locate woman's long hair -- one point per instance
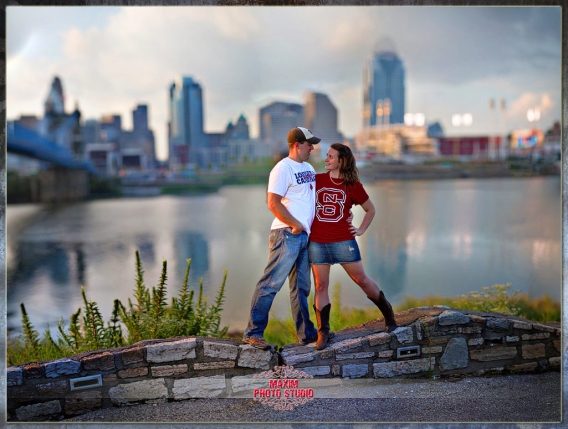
(347, 169)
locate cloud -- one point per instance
(247, 56)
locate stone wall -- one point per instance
(431, 341)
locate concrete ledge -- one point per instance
(430, 341)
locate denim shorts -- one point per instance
(341, 252)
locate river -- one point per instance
(431, 237)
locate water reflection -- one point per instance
(428, 238)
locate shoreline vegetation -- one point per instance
(148, 316)
(204, 181)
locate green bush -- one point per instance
(148, 318)
(494, 299)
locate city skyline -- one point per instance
(111, 59)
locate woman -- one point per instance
(332, 239)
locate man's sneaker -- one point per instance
(258, 342)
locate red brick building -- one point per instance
(468, 146)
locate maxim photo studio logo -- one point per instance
(283, 391)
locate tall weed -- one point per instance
(149, 317)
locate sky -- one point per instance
(456, 58)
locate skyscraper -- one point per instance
(186, 137)
(276, 119)
(383, 89)
(320, 116)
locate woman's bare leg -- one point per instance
(321, 280)
(366, 283)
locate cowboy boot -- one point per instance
(387, 311)
(324, 334)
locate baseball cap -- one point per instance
(300, 134)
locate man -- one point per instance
(291, 198)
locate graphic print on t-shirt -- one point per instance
(329, 204)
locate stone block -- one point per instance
(431, 350)
(138, 391)
(522, 325)
(393, 369)
(251, 357)
(326, 354)
(544, 328)
(455, 355)
(219, 350)
(292, 360)
(199, 387)
(214, 365)
(557, 345)
(352, 356)
(539, 336)
(349, 344)
(428, 320)
(497, 324)
(355, 370)
(437, 341)
(524, 367)
(101, 361)
(62, 367)
(168, 370)
(475, 341)
(385, 354)
(450, 317)
(33, 370)
(476, 319)
(15, 376)
(378, 339)
(171, 351)
(109, 378)
(555, 362)
(512, 339)
(335, 370)
(38, 412)
(404, 335)
(133, 372)
(533, 351)
(131, 356)
(244, 383)
(468, 330)
(495, 353)
(83, 402)
(55, 389)
(317, 370)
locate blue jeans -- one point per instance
(287, 258)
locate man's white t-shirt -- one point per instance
(296, 183)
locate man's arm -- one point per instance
(282, 214)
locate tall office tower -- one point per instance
(140, 119)
(320, 116)
(383, 89)
(55, 103)
(187, 138)
(276, 119)
(91, 131)
(111, 129)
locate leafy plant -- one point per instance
(148, 318)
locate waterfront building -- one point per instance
(276, 119)
(187, 140)
(396, 141)
(383, 89)
(320, 116)
(469, 147)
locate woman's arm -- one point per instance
(367, 219)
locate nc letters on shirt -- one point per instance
(329, 204)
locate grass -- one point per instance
(495, 299)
